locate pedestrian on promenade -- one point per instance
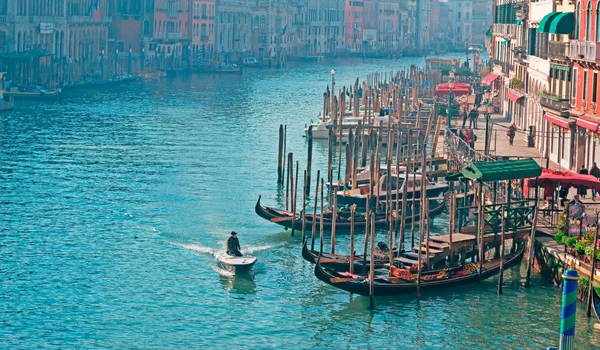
(465, 115)
(473, 138)
(582, 189)
(595, 172)
(511, 132)
(473, 118)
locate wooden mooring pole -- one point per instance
(314, 223)
(304, 208)
(372, 267)
(309, 159)
(294, 197)
(502, 242)
(593, 272)
(280, 157)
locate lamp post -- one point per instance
(102, 63)
(129, 60)
(332, 89)
(489, 109)
(116, 61)
(450, 86)
(142, 58)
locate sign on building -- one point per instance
(46, 28)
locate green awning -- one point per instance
(502, 170)
(504, 42)
(544, 26)
(564, 23)
(489, 35)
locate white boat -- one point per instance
(236, 264)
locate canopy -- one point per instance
(514, 95)
(552, 178)
(489, 79)
(564, 23)
(502, 170)
(544, 26)
(458, 89)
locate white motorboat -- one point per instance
(236, 264)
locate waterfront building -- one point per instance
(326, 26)
(130, 31)
(549, 81)
(170, 36)
(439, 27)
(423, 20)
(388, 26)
(354, 25)
(274, 27)
(202, 21)
(460, 18)
(481, 20)
(370, 24)
(234, 24)
(584, 51)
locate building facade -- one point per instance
(354, 25)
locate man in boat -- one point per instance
(233, 245)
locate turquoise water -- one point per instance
(114, 203)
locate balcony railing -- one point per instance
(555, 103)
(558, 50)
(203, 37)
(584, 50)
(507, 30)
(173, 36)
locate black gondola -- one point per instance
(393, 286)
(596, 303)
(339, 262)
(285, 218)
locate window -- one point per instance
(574, 92)
(595, 87)
(588, 26)
(598, 22)
(585, 84)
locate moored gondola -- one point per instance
(386, 285)
(596, 303)
(285, 218)
(338, 262)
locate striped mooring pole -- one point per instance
(569, 309)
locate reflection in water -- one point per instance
(238, 284)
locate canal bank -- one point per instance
(115, 202)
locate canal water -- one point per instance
(115, 202)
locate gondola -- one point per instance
(285, 218)
(596, 303)
(385, 285)
(339, 262)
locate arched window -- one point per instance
(146, 26)
(577, 20)
(588, 26)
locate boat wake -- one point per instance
(222, 272)
(198, 248)
(260, 248)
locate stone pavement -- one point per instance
(500, 146)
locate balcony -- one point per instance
(584, 51)
(203, 37)
(173, 36)
(505, 30)
(555, 103)
(558, 50)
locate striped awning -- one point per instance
(489, 79)
(544, 26)
(514, 95)
(564, 23)
(588, 124)
(558, 121)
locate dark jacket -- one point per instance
(595, 171)
(233, 245)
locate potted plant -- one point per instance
(570, 243)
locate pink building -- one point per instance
(354, 25)
(171, 32)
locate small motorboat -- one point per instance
(236, 264)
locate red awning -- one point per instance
(587, 124)
(562, 122)
(514, 95)
(551, 178)
(458, 89)
(489, 79)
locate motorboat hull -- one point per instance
(236, 264)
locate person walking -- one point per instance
(595, 172)
(465, 115)
(512, 131)
(473, 118)
(582, 191)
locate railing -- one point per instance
(558, 50)
(172, 14)
(508, 30)
(173, 36)
(584, 50)
(203, 37)
(556, 103)
(519, 216)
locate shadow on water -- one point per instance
(238, 284)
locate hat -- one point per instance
(233, 233)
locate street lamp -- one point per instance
(116, 61)
(332, 90)
(450, 86)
